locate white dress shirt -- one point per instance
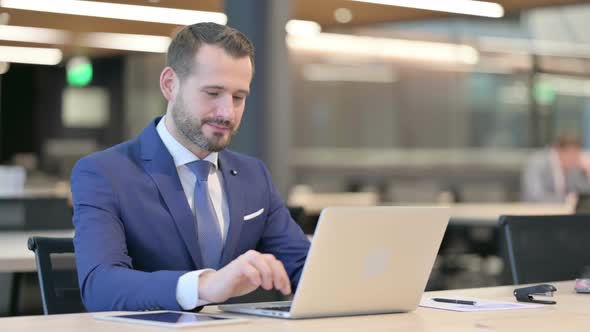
(187, 288)
(557, 171)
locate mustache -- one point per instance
(218, 121)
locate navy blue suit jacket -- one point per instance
(135, 232)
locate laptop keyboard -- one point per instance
(281, 308)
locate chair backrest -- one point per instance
(546, 248)
(60, 292)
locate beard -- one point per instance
(192, 128)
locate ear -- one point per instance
(169, 83)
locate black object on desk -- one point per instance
(526, 294)
(454, 301)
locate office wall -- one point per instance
(31, 114)
(17, 99)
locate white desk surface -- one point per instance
(467, 211)
(571, 313)
(14, 254)
(485, 214)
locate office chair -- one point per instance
(546, 248)
(60, 292)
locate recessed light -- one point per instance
(343, 15)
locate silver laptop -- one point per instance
(363, 260)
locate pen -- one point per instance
(438, 299)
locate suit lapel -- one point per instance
(235, 199)
(160, 166)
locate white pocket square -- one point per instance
(253, 215)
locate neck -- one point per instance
(197, 151)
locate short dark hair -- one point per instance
(567, 140)
(187, 42)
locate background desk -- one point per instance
(571, 313)
(488, 214)
(14, 254)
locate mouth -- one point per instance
(218, 127)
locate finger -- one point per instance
(277, 269)
(281, 278)
(251, 273)
(266, 274)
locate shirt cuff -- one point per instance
(187, 290)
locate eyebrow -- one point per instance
(219, 87)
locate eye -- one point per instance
(212, 93)
(238, 98)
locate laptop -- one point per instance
(363, 260)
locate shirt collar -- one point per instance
(180, 154)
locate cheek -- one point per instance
(238, 115)
(198, 107)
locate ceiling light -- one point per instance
(302, 28)
(122, 41)
(372, 73)
(467, 7)
(33, 35)
(117, 11)
(343, 15)
(386, 48)
(32, 55)
(534, 46)
(117, 41)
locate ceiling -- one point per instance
(315, 10)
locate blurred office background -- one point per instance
(399, 105)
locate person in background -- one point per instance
(557, 174)
(172, 219)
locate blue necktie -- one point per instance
(208, 230)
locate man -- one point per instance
(557, 174)
(171, 219)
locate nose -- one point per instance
(225, 107)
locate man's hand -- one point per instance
(242, 276)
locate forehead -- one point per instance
(212, 64)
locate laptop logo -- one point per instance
(377, 262)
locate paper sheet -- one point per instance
(480, 305)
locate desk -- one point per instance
(475, 214)
(313, 203)
(488, 214)
(571, 313)
(14, 254)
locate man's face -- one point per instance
(209, 103)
